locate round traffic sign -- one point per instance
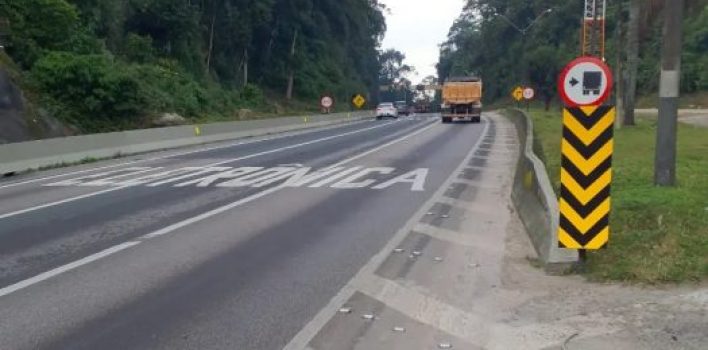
(327, 101)
(586, 81)
(529, 93)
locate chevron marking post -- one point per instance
(586, 177)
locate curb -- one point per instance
(536, 201)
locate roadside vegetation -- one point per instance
(114, 65)
(483, 41)
(658, 234)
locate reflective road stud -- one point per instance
(586, 176)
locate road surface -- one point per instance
(228, 246)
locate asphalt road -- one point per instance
(229, 246)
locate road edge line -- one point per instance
(301, 340)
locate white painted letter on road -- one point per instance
(295, 176)
(416, 178)
(349, 182)
(231, 174)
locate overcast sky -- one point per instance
(417, 27)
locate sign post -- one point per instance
(518, 95)
(529, 94)
(586, 149)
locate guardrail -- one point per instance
(535, 200)
(22, 156)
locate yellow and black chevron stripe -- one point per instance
(586, 176)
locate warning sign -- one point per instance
(358, 101)
(586, 176)
(518, 94)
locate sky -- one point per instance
(417, 27)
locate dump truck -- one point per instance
(462, 100)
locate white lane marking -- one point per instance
(179, 154)
(67, 200)
(72, 199)
(64, 268)
(301, 340)
(219, 210)
(374, 150)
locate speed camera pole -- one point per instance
(665, 161)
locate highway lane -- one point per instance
(35, 242)
(220, 261)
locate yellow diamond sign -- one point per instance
(518, 93)
(359, 101)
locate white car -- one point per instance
(386, 110)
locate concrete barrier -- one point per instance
(535, 200)
(17, 157)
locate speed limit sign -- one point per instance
(326, 102)
(529, 93)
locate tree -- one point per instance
(393, 68)
(543, 68)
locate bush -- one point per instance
(37, 25)
(252, 95)
(95, 92)
(139, 48)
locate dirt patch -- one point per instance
(602, 316)
(697, 117)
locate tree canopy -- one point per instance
(194, 57)
(489, 39)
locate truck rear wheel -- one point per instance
(447, 120)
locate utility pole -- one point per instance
(619, 74)
(635, 9)
(665, 162)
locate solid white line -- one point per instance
(301, 340)
(206, 149)
(59, 270)
(66, 200)
(64, 268)
(83, 196)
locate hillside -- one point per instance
(112, 65)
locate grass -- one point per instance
(658, 234)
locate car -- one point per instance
(402, 108)
(386, 110)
